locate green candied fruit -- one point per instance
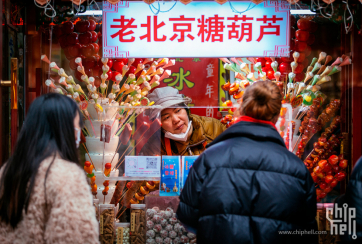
(90, 175)
(308, 98)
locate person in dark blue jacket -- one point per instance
(247, 187)
(353, 198)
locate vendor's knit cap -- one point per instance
(165, 97)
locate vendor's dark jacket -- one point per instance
(353, 197)
(205, 129)
(246, 187)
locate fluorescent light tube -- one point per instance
(301, 11)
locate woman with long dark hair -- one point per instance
(44, 195)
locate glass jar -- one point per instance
(122, 233)
(138, 223)
(106, 222)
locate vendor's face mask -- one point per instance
(179, 137)
(77, 140)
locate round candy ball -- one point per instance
(191, 235)
(157, 228)
(168, 215)
(177, 240)
(159, 240)
(150, 241)
(156, 218)
(150, 234)
(157, 209)
(177, 227)
(150, 224)
(163, 233)
(169, 209)
(173, 220)
(169, 227)
(163, 222)
(172, 234)
(162, 214)
(150, 212)
(184, 239)
(167, 240)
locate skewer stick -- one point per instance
(92, 126)
(123, 195)
(89, 156)
(118, 216)
(296, 143)
(129, 144)
(129, 153)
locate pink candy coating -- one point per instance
(150, 224)
(150, 234)
(164, 233)
(164, 222)
(184, 239)
(156, 218)
(173, 221)
(167, 240)
(172, 234)
(159, 240)
(157, 228)
(169, 227)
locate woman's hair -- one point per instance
(48, 131)
(262, 100)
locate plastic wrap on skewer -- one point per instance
(118, 192)
(130, 193)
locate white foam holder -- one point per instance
(97, 159)
(100, 178)
(109, 111)
(109, 196)
(94, 145)
(97, 126)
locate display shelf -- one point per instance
(124, 178)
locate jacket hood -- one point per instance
(255, 131)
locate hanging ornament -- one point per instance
(42, 2)
(293, 1)
(78, 2)
(186, 1)
(256, 1)
(221, 2)
(146, 1)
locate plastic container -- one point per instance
(138, 223)
(162, 223)
(107, 199)
(96, 206)
(100, 178)
(95, 145)
(97, 159)
(122, 233)
(106, 222)
(109, 111)
(114, 123)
